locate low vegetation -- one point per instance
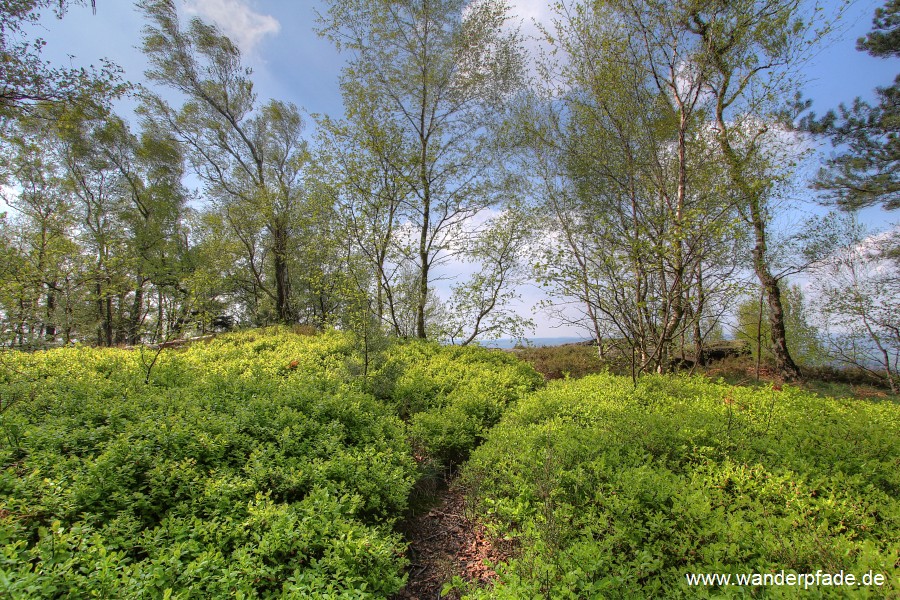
(559, 362)
(264, 464)
(452, 395)
(636, 172)
(731, 361)
(610, 490)
(256, 465)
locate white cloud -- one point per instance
(532, 10)
(531, 14)
(238, 21)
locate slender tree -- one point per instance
(859, 298)
(622, 141)
(361, 158)
(46, 216)
(748, 53)
(479, 307)
(441, 72)
(150, 168)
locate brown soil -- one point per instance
(445, 543)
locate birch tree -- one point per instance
(440, 71)
(749, 50)
(859, 299)
(622, 143)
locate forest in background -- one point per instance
(635, 170)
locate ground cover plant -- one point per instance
(610, 490)
(730, 361)
(255, 465)
(452, 396)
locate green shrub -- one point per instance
(251, 466)
(619, 492)
(452, 395)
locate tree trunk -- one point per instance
(753, 196)
(675, 301)
(699, 358)
(423, 249)
(784, 364)
(121, 329)
(99, 290)
(68, 312)
(426, 209)
(282, 288)
(49, 325)
(108, 324)
(282, 276)
(137, 309)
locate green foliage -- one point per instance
(251, 159)
(255, 465)
(27, 78)
(859, 300)
(250, 468)
(453, 395)
(614, 491)
(479, 307)
(436, 168)
(865, 174)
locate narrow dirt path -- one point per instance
(444, 544)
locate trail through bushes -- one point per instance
(255, 465)
(263, 465)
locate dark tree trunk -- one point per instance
(100, 325)
(49, 325)
(426, 220)
(785, 365)
(108, 325)
(282, 276)
(753, 212)
(423, 257)
(121, 328)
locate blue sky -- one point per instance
(292, 63)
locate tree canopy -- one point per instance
(25, 78)
(637, 173)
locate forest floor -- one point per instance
(445, 544)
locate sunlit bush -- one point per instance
(453, 395)
(249, 466)
(612, 491)
(258, 464)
